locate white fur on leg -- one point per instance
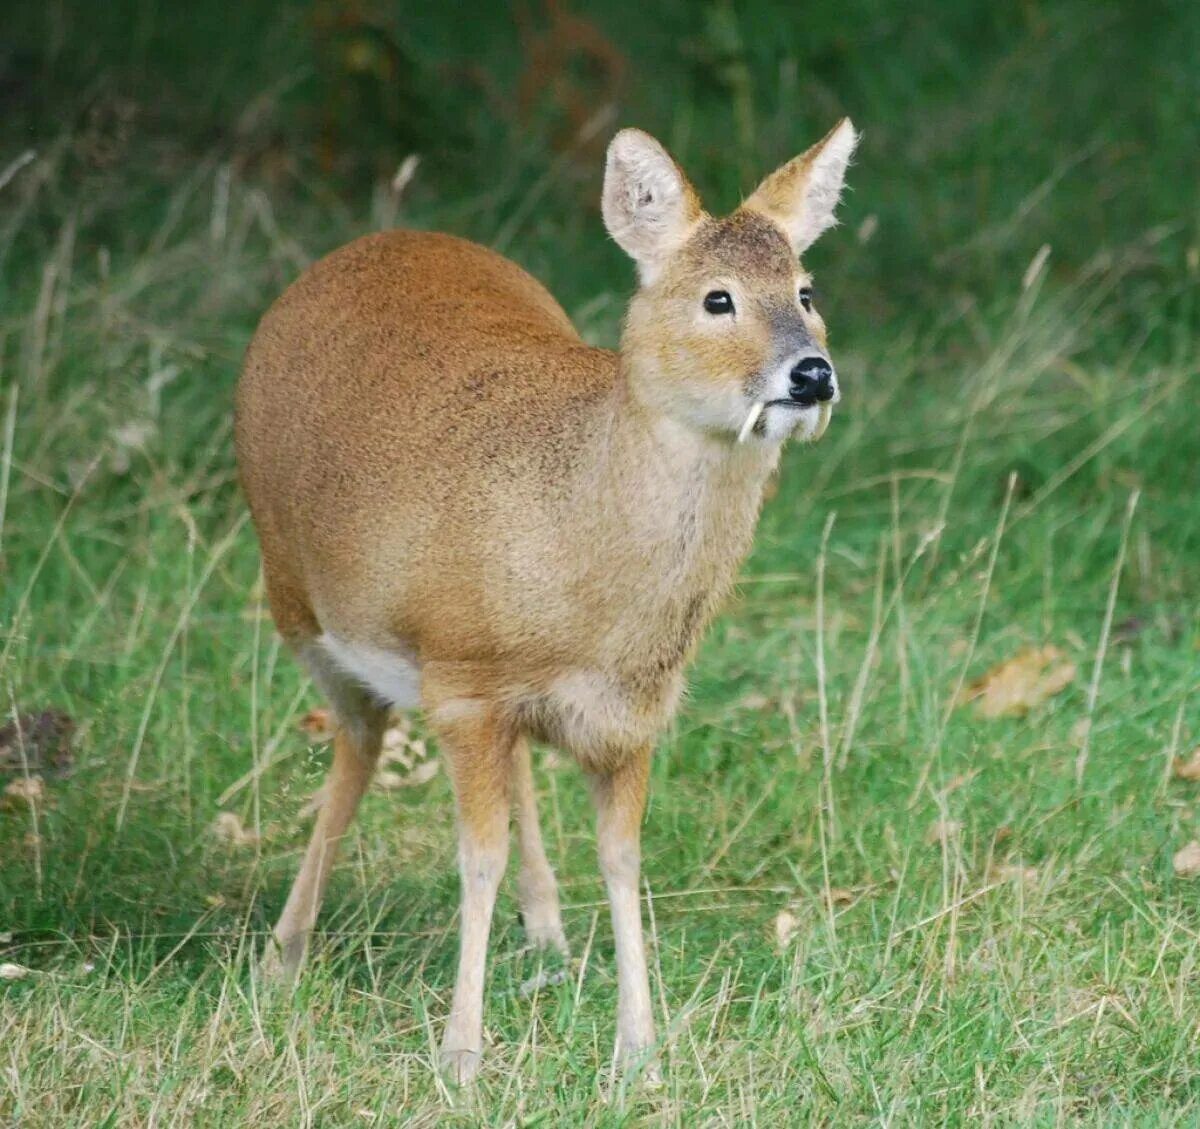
(481, 865)
(635, 1017)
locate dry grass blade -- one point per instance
(1102, 645)
(215, 557)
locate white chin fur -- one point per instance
(805, 424)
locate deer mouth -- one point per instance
(753, 425)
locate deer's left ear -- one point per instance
(802, 195)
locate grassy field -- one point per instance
(868, 902)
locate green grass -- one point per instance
(921, 985)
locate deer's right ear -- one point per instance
(649, 206)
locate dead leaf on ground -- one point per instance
(37, 742)
(25, 789)
(401, 747)
(754, 701)
(544, 978)
(839, 896)
(1012, 872)
(128, 439)
(318, 724)
(787, 924)
(942, 831)
(1022, 683)
(1188, 769)
(229, 828)
(1128, 629)
(422, 774)
(1187, 860)
(10, 971)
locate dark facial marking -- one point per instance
(789, 330)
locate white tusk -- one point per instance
(756, 410)
(823, 421)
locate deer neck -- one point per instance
(687, 501)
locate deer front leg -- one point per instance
(479, 754)
(620, 799)
(537, 890)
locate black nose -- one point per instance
(812, 382)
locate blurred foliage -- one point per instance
(988, 129)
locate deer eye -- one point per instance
(718, 302)
(806, 297)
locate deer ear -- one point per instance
(802, 195)
(649, 206)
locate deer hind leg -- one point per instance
(537, 890)
(620, 798)
(360, 721)
(478, 747)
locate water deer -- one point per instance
(463, 507)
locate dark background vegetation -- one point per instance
(171, 167)
(989, 129)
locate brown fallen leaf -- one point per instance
(318, 724)
(1187, 860)
(754, 701)
(1012, 872)
(1188, 769)
(1021, 683)
(27, 789)
(228, 826)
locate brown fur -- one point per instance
(441, 470)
